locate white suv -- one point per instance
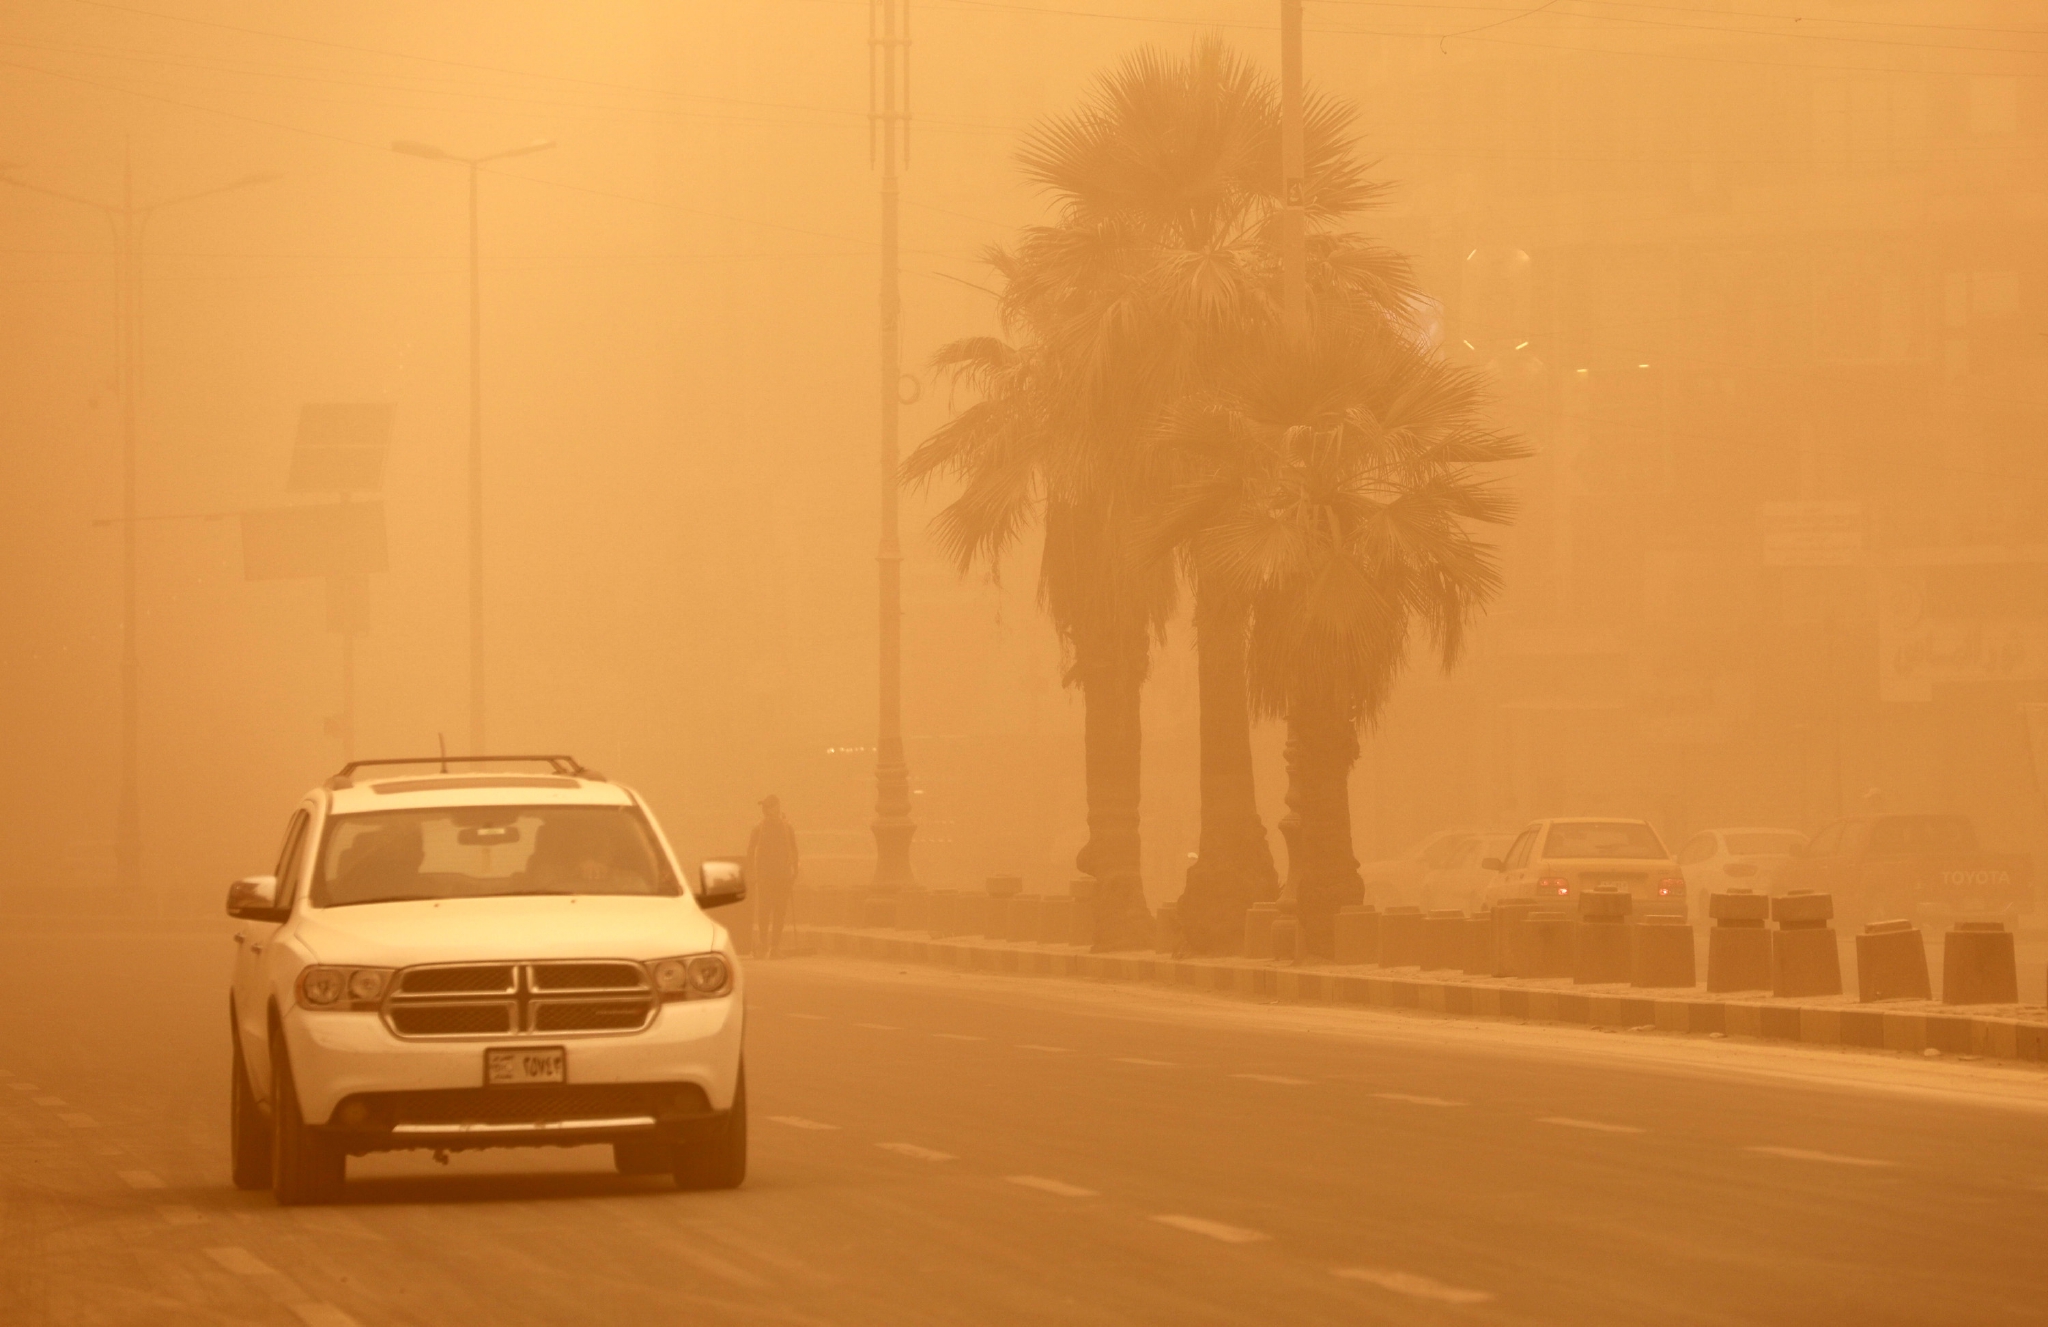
(463, 960)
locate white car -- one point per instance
(1461, 882)
(454, 961)
(1717, 859)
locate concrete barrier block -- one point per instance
(1672, 1015)
(1636, 1011)
(1739, 905)
(1820, 1027)
(1262, 982)
(1994, 1037)
(1056, 919)
(1486, 1001)
(1891, 962)
(1743, 1020)
(1661, 953)
(1352, 989)
(1604, 950)
(1401, 937)
(1287, 985)
(1977, 965)
(1258, 930)
(1863, 1027)
(1510, 939)
(1739, 956)
(1604, 1011)
(1552, 942)
(1541, 1006)
(1284, 939)
(1805, 960)
(1573, 1007)
(1456, 999)
(1479, 957)
(1443, 940)
(1691, 1015)
(1802, 907)
(1430, 995)
(1380, 991)
(1904, 1031)
(1358, 934)
(1605, 903)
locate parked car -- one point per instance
(1555, 860)
(452, 961)
(1461, 882)
(1398, 879)
(1718, 859)
(1922, 867)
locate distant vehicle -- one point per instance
(1462, 881)
(1914, 866)
(1556, 860)
(454, 961)
(1398, 879)
(1718, 859)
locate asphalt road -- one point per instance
(930, 1147)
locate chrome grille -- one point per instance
(551, 998)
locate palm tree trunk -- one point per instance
(1111, 675)
(1322, 869)
(1233, 863)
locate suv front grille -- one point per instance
(552, 998)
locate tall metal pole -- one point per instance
(128, 301)
(1293, 265)
(477, 741)
(893, 825)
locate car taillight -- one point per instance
(1554, 884)
(1671, 886)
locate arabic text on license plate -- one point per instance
(506, 1065)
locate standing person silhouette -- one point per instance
(771, 874)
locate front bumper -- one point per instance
(691, 1044)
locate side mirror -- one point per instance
(254, 898)
(720, 880)
(1492, 864)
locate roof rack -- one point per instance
(564, 765)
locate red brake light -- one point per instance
(1553, 884)
(1672, 885)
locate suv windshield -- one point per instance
(1602, 838)
(477, 851)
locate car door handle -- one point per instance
(255, 948)
(241, 939)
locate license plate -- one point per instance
(506, 1066)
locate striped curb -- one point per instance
(1858, 1026)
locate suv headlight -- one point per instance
(322, 987)
(691, 976)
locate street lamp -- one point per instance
(429, 152)
(130, 222)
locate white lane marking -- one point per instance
(799, 1122)
(1281, 1079)
(1050, 1050)
(815, 1018)
(1213, 1229)
(80, 1121)
(1596, 1125)
(1408, 1283)
(140, 1179)
(959, 1036)
(1058, 1187)
(315, 1314)
(48, 1101)
(240, 1261)
(180, 1215)
(1835, 1158)
(879, 1027)
(1156, 1064)
(913, 1150)
(1416, 1101)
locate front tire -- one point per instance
(248, 1131)
(305, 1168)
(715, 1156)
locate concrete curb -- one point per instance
(1872, 1027)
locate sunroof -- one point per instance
(472, 781)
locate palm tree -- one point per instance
(1158, 269)
(1333, 487)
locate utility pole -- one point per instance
(1293, 223)
(130, 222)
(476, 423)
(889, 130)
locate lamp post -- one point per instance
(130, 222)
(476, 425)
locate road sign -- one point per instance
(287, 543)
